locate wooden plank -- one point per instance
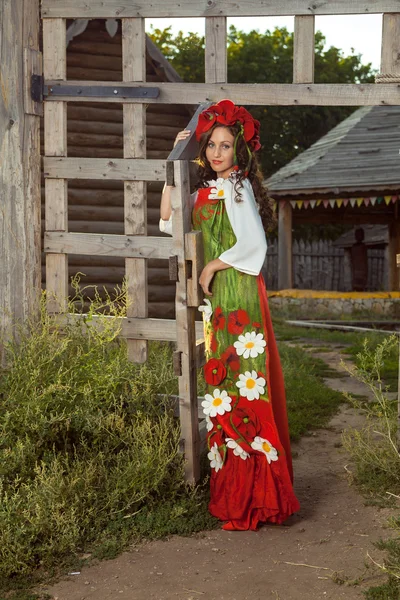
(390, 54)
(19, 172)
(135, 192)
(55, 145)
(54, 49)
(98, 244)
(74, 9)
(158, 329)
(271, 94)
(194, 254)
(56, 204)
(131, 169)
(303, 51)
(185, 324)
(187, 149)
(216, 65)
(285, 278)
(32, 66)
(149, 329)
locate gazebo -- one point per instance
(351, 175)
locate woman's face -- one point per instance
(219, 151)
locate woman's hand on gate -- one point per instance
(182, 135)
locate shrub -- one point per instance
(85, 440)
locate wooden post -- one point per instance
(285, 276)
(134, 69)
(303, 72)
(390, 65)
(216, 53)
(303, 50)
(20, 253)
(398, 380)
(185, 323)
(55, 144)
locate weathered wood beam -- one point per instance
(20, 255)
(163, 330)
(271, 94)
(285, 276)
(187, 149)
(135, 192)
(131, 169)
(94, 9)
(303, 50)
(55, 144)
(216, 62)
(390, 53)
(98, 244)
(185, 323)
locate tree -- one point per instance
(256, 57)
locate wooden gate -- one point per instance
(134, 169)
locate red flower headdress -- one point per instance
(227, 113)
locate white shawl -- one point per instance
(248, 253)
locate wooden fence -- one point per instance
(135, 169)
(319, 265)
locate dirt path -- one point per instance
(331, 535)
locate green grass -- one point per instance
(89, 454)
(310, 402)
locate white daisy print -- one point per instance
(215, 458)
(206, 309)
(237, 450)
(251, 344)
(266, 447)
(217, 404)
(210, 424)
(250, 385)
(217, 192)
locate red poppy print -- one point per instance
(257, 325)
(214, 371)
(218, 321)
(237, 321)
(231, 359)
(213, 343)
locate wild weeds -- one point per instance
(86, 439)
(375, 451)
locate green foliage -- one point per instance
(87, 445)
(375, 452)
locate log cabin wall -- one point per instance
(95, 131)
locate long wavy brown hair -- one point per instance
(205, 173)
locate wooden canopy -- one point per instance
(357, 159)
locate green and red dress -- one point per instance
(245, 405)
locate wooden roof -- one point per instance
(361, 154)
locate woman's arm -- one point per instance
(165, 206)
(208, 273)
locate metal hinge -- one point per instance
(100, 91)
(37, 88)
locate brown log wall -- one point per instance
(95, 131)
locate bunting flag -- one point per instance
(338, 202)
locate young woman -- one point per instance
(245, 407)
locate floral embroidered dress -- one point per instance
(245, 404)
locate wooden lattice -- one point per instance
(135, 170)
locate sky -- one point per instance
(361, 32)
